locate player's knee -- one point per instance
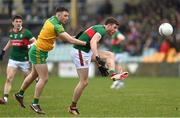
(9, 79)
(42, 81)
(45, 80)
(34, 76)
(84, 83)
(111, 55)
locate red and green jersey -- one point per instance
(20, 41)
(88, 34)
(116, 48)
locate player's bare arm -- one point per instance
(8, 45)
(66, 37)
(120, 38)
(94, 43)
(2, 53)
(32, 40)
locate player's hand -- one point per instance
(79, 34)
(100, 61)
(2, 54)
(88, 44)
(103, 70)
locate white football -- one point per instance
(165, 29)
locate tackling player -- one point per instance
(82, 56)
(20, 38)
(53, 29)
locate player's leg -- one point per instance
(10, 73)
(38, 59)
(118, 83)
(42, 71)
(26, 83)
(110, 60)
(83, 82)
(109, 57)
(29, 79)
(25, 68)
(82, 61)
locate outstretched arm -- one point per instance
(120, 38)
(32, 40)
(8, 45)
(66, 37)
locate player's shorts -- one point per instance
(80, 58)
(37, 56)
(118, 57)
(23, 66)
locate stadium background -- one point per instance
(145, 54)
(139, 22)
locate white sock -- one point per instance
(6, 99)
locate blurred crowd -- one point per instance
(142, 22)
(138, 22)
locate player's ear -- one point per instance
(12, 23)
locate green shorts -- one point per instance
(37, 56)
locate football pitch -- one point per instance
(141, 97)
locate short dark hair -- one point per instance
(111, 20)
(17, 17)
(61, 9)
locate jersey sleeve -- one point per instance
(29, 35)
(59, 29)
(101, 32)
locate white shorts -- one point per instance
(23, 66)
(118, 57)
(80, 58)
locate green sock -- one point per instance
(35, 101)
(111, 72)
(21, 92)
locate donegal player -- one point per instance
(20, 38)
(53, 29)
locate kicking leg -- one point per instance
(110, 60)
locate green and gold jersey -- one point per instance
(51, 29)
(20, 41)
(88, 34)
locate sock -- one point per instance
(112, 72)
(5, 97)
(21, 92)
(35, 101)
(73, 104)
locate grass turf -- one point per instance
(141, 97)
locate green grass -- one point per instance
(141, 97)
